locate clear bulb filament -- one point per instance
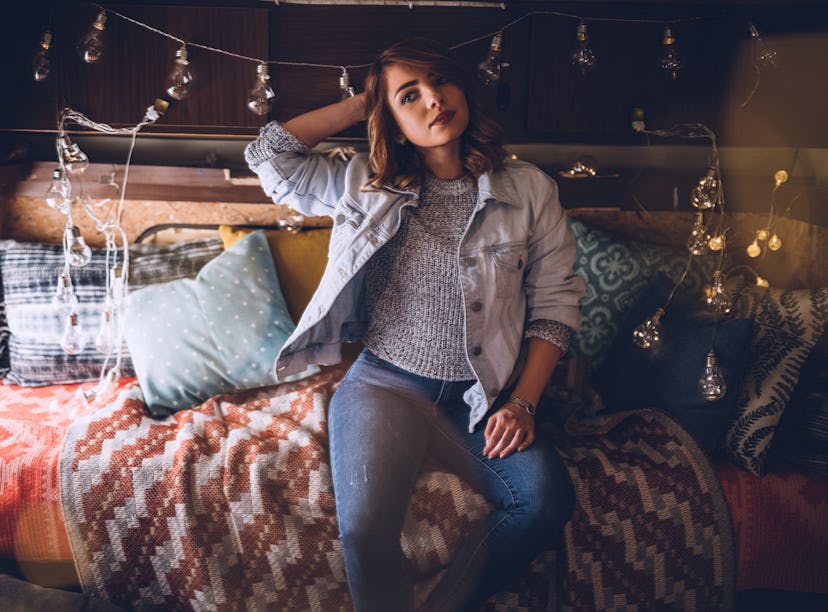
(71, 341)
(648, 334)
(712, 384)
(90, 47)
(489, 70)
(583, 58)
(65, 302)
(60, 189)
(180, 78)
(77, 251)
(260, 97)
(42, 63)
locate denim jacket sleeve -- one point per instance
(292, 174)
(553, 290)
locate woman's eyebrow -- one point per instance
(404, 85)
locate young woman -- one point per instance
(444, 261)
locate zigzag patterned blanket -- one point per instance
(229, 507)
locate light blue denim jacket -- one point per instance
(515, 261)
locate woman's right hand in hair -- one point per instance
(315, 126)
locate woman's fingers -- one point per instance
(507, 431)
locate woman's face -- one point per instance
(429, 111)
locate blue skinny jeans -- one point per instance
(383, 422)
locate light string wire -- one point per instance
(486, 36)
(110, 225)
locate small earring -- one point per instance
(401, 139)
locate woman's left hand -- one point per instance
(509, 429)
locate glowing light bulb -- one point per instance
(775, 243)
(706, 192)
(260, 97)
(90, 46)
(670, 60)
(106, 338)
(717, 242)
(717, 298)
(180, 77)
(583, 57)
(42, 63)
(780, 177)
(762, 234)
(345, 85)
(60, 189)
(74, 159)
(712, 384)
(71, 340)
(637, 119)
(762, 282)
(77, 251)
(489, 70)
(64, 301)
(699, 241)
(764, 56)
(648, 334)
(754, 250)
(292, 222)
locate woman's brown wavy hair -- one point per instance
(401, 165)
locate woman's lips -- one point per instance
(442, 118)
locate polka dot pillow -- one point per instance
(191, 339)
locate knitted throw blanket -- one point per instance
(229, 507)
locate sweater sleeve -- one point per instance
(555, 332)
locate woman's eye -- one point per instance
(408, 97)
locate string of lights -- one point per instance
(707, 196)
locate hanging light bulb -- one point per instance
(699, 241)
(762, 234)
(762, 282)
(648, 334)
(489, 70)
(753, 249)
(60, 189)
(292, 222)
(106, 338)
(763, 56)
(71, 341)
(706, 192)
(117, 288)
(774, 243)
(712, 383)
(582, 57)
(180, 77)
(64, 301)
(717, 242)
(780, 177)
(670, 60)
(77, 251)
(345, 85)
(74, 159)
(260, 97)
(42, 63)
(90, 47)
(718, 299)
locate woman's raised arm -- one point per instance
(315, 126)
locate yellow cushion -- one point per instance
(300, 260)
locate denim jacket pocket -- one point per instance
(509, 264)
(347, 219)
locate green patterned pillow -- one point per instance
(616, 269)
(788, 323)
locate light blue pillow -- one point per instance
(191, 339)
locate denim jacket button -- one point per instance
(476, 306)
(340, 219)
(477, 350)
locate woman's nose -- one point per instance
(435, 97)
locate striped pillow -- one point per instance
(29, 274)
